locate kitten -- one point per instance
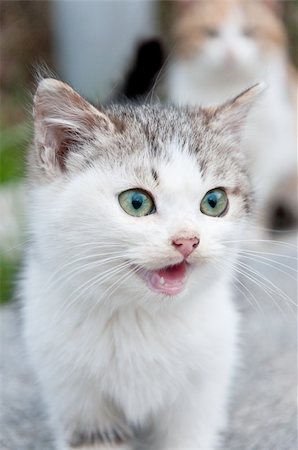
(224, 47)
(134, 217)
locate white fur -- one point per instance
(133, 357)
(111, 354)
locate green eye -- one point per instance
(136, 202)
(214, 203)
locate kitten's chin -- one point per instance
(168, 281)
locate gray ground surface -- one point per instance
(263, 410)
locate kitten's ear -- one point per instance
(63, 121)
(230, 118)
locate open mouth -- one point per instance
(169, 280)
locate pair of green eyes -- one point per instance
(139, 203)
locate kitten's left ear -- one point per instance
(63, 121)
(230, 117)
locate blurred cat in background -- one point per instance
(223, 47)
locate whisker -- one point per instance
(262, 283)
(116, 284)
(120, 281)
(98, 279)
(260, 261)
(268, 241)
(237, 280)
(11, 249)
(251, 269)
(81, 268)
(280, 255)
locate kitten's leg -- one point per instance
(108, 440)
(195, 420)
(80, 435)
(104, 447)
(97, 440)
(100, 447)
(83, 420)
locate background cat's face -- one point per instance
(175, 155)
(235, 37)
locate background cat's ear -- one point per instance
(63, 121)
(230, 118)
(183, 5)
(276, 5)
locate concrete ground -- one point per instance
(263, 412)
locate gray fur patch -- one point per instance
(82, 439)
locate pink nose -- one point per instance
(186, 245)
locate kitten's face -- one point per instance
(156, 241)
(234, 37)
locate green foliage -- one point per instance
(291, 22)
(8, 271)
(13, 142)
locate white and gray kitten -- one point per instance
(134, 215)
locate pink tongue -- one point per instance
(168, 281)
(173, 274)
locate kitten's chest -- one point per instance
(140, 362)
(146, 361)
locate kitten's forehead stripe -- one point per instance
(203, 164)
(154, 175)
(237, 190)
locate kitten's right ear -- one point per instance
(230, 118)
(63, 121)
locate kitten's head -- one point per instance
(137, 199)
(235, 37)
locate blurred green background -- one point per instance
(26, 39)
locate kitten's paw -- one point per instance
(103, 447)
(112, 439)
